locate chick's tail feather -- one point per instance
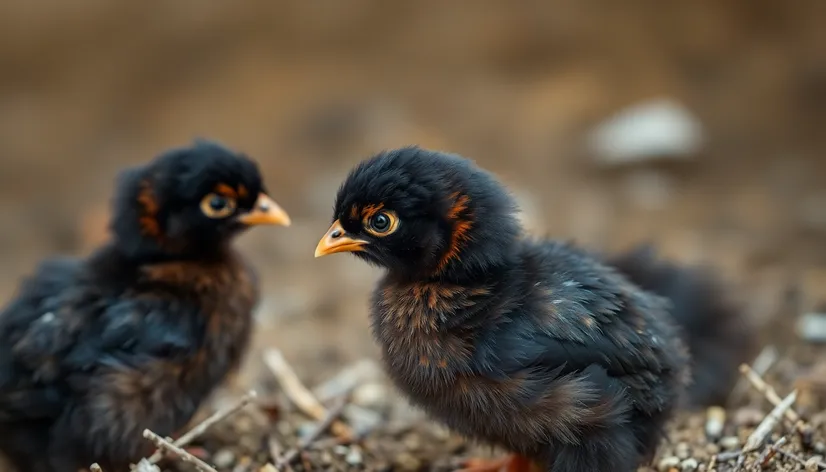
(718, 336)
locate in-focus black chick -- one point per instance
(533, 345)
(137, 335)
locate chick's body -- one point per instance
(135, 336)
(534, 345)
(555, 357)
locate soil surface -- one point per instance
(310, 88)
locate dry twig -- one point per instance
(327, 422)
(804, 462)
(769, 453)
(803, 429)
(765, 428)
(162, 443)
(201, 427)
(761, 364)
(299, 394)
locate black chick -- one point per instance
(532, 345)
(138, 334)
(719, 338)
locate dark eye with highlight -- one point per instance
(382, 223)
(217, 206)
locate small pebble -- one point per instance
(371, 395)
(712, 449)
(748, 417)
(668, 463)
(689, 465)
(354, 457)
(715, 420)
(244, 464)
(412, 442)
(326, 458)
(306, 428)
(729, 443)
(408, 462)
(812, 464)
(341, 450)
(682, 450)
(284, 428)
(223, 458)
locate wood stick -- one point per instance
(767, 390)
(761, 364)
(803, 429)
(201, 427)
(299, 394)
(769, 453)
(765, 428)
(804, 462)
(325, 424)
(162, 443)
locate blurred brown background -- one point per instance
(310, 87)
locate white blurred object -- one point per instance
(812, 327)
(652, 130)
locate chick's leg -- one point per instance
(509, 463)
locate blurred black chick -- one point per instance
(138, 334)
(529, 344)
(718, 336)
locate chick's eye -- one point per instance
(383, 223)
(217, 203)
(217, 206)
(380, 223)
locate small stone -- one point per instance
(812, 327)
(305, 429)
(729, 443)
(223, 458)
(353, 457)
(326, 458)
(268, 467)
(668, 463)
(712, 449)
(715, 420)
(341, 450)
(659, 129)
(689, 465)
(748, 417)
(812, 465)
(408, 462)
(371, 395)
(361, 419)
(284, 428)
(145, 466)
(682, 450)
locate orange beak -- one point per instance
(265, 212)
(337, 240)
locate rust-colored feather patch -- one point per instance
(226, 191)
(461, 229)
(148, 218)
(371, 210)
(242, 191)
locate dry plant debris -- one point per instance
(743, 437)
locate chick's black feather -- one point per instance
(95, 350)
(534, 345)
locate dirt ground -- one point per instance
(310, 88)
